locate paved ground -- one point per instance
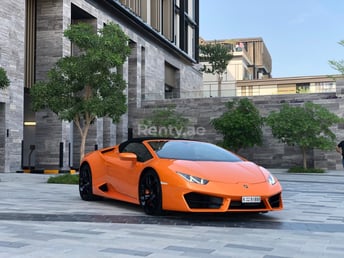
(48, 220)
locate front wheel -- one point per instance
(150, 193)
(85, 183)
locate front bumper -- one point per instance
(222, 198)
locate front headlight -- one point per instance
(193, 179)
(271, 179)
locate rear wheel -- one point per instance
(85, 183)
(150, 193)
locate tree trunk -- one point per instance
(83, 133)
(82, 146)
(304, 155)
(83, 140)
(219, 84)
(87, 120)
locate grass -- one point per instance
(305, 170)
(71, 179)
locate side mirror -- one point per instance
(128, 156)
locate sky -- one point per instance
(300, 35)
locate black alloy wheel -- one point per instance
(150, 193)
(85, 183)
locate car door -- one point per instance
(124, 174)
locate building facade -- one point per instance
(164, 43)
(287, 85)
(251, 61)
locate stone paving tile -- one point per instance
(45, 220)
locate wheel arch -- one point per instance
(157, 203)
(144, 171)
(85, 163)
(86, 182)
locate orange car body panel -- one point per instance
(227, 180)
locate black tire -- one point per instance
(85, 183)
(150, 194)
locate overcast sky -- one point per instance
(301, 35)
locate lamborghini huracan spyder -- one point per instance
(178, 175)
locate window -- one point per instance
(302, 87)
(139, 149)
(30, 44)
(246, 91)
(156, 15)
(172, 89)
(133, 5)
(167, 19)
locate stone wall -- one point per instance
(272, 153)
(12, 32)
(49, 48)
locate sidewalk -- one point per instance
(330, 174)
(50, 220)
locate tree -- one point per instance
(241, 125)
(306, 126)
(4, 81)
(83, 87)
(165, 122)
(338, 65)
(218, 56)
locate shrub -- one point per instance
(71, 179)
(305, 170)
(4, 81)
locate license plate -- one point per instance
(250, 199)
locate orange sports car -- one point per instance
(178, 175)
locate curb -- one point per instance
(47, 171)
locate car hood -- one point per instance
(225, 172)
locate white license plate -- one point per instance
(250, 199)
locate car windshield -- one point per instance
(190, 150)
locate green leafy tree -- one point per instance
(4, 81)
(306, 126)
(217, 56)
(86, 86)
(241, 125)
(338, 65)
(166, 122)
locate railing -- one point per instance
(231, 90)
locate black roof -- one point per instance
(141, 139)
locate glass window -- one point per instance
(190, 150)
(139, 149)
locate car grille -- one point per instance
(202, 201)
(274, 202)
(246, 206)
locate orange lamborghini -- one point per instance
(178, 175)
